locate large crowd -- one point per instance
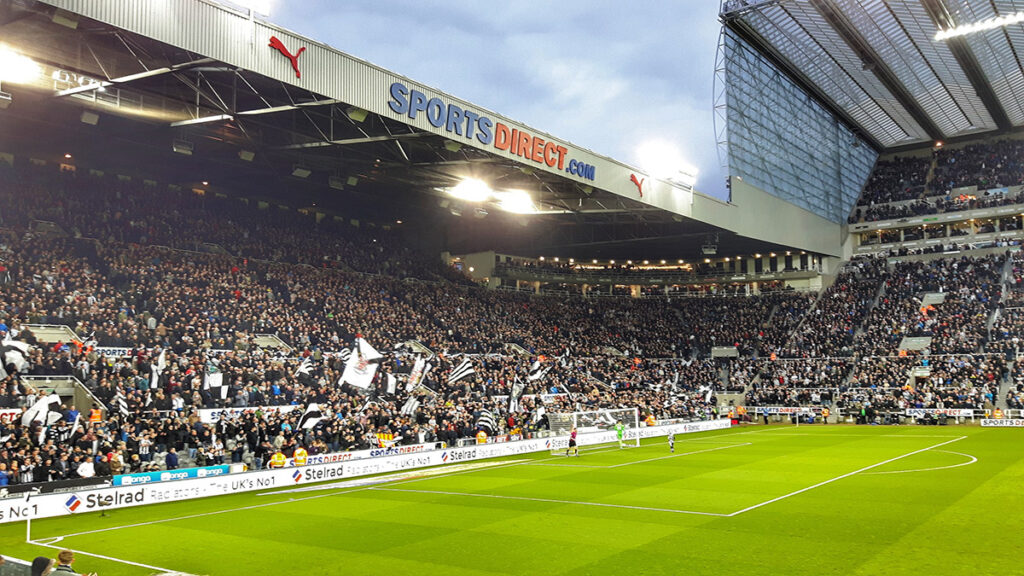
(157, 311)
(904, 187)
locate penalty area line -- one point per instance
(847, 475)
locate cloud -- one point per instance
(603, 75)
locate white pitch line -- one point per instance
(203, 514)
(680, 454)
(111, 558)
(547, 500)
(971, 460)
(847, 475)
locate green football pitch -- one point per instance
(775, 500)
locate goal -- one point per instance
(593, 427)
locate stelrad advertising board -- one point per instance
(48, 505)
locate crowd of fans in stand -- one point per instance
(898, 188)
(202, 310)
(902, 178)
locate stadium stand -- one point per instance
(149, 275)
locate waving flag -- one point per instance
(214, 382)
(462, 371)
(361, 366)
(410, 406)
(157, 369)
(121, 404)
(45, 410)
(311, 417)
(537, 371)
(517, 391)
(13, 357)
(486, 421)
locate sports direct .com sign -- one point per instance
(1003, 422)
(26, 507)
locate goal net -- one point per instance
(594, 427)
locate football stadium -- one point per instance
(268, 308)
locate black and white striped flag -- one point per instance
(391, 383)
(410, 406)
(462, 371)
(305, 368)
(486, 421)
(537, 371)
(46, 410)
(311, 417)
(121, 405)
(214, 382)
(13, 357)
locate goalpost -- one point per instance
(593, 427)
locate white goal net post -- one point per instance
(594, 427)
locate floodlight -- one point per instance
(300, 171)
(662, 160)
(17, 68)
(980, 26)
(452, 146)
(352, 181)
(471, 190)
(90, 118)
(183, 147)
(356, 114)
(516, 201)
(336, 182)
(246, 155)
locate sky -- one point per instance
(605, 76)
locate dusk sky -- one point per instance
(607, 76)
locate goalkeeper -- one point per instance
(620, 432)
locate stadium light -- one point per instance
(300, 171)
(183, 147)
(516, 201)
(17, 68)
(662, 160)
(471, 190)
(980, 26)
(356, 114)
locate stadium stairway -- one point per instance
(878, 298)
(931, 173)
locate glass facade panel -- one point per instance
(782, 141)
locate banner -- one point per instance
(212, 415)
(953, 412)
(1003, 422)
(371, 453)
(167, 475)
(30, 507)
(786, 409)
(9, 416)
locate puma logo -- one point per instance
(639, 184)
(276, 44)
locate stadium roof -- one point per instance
(878, 66)
(322, 127)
